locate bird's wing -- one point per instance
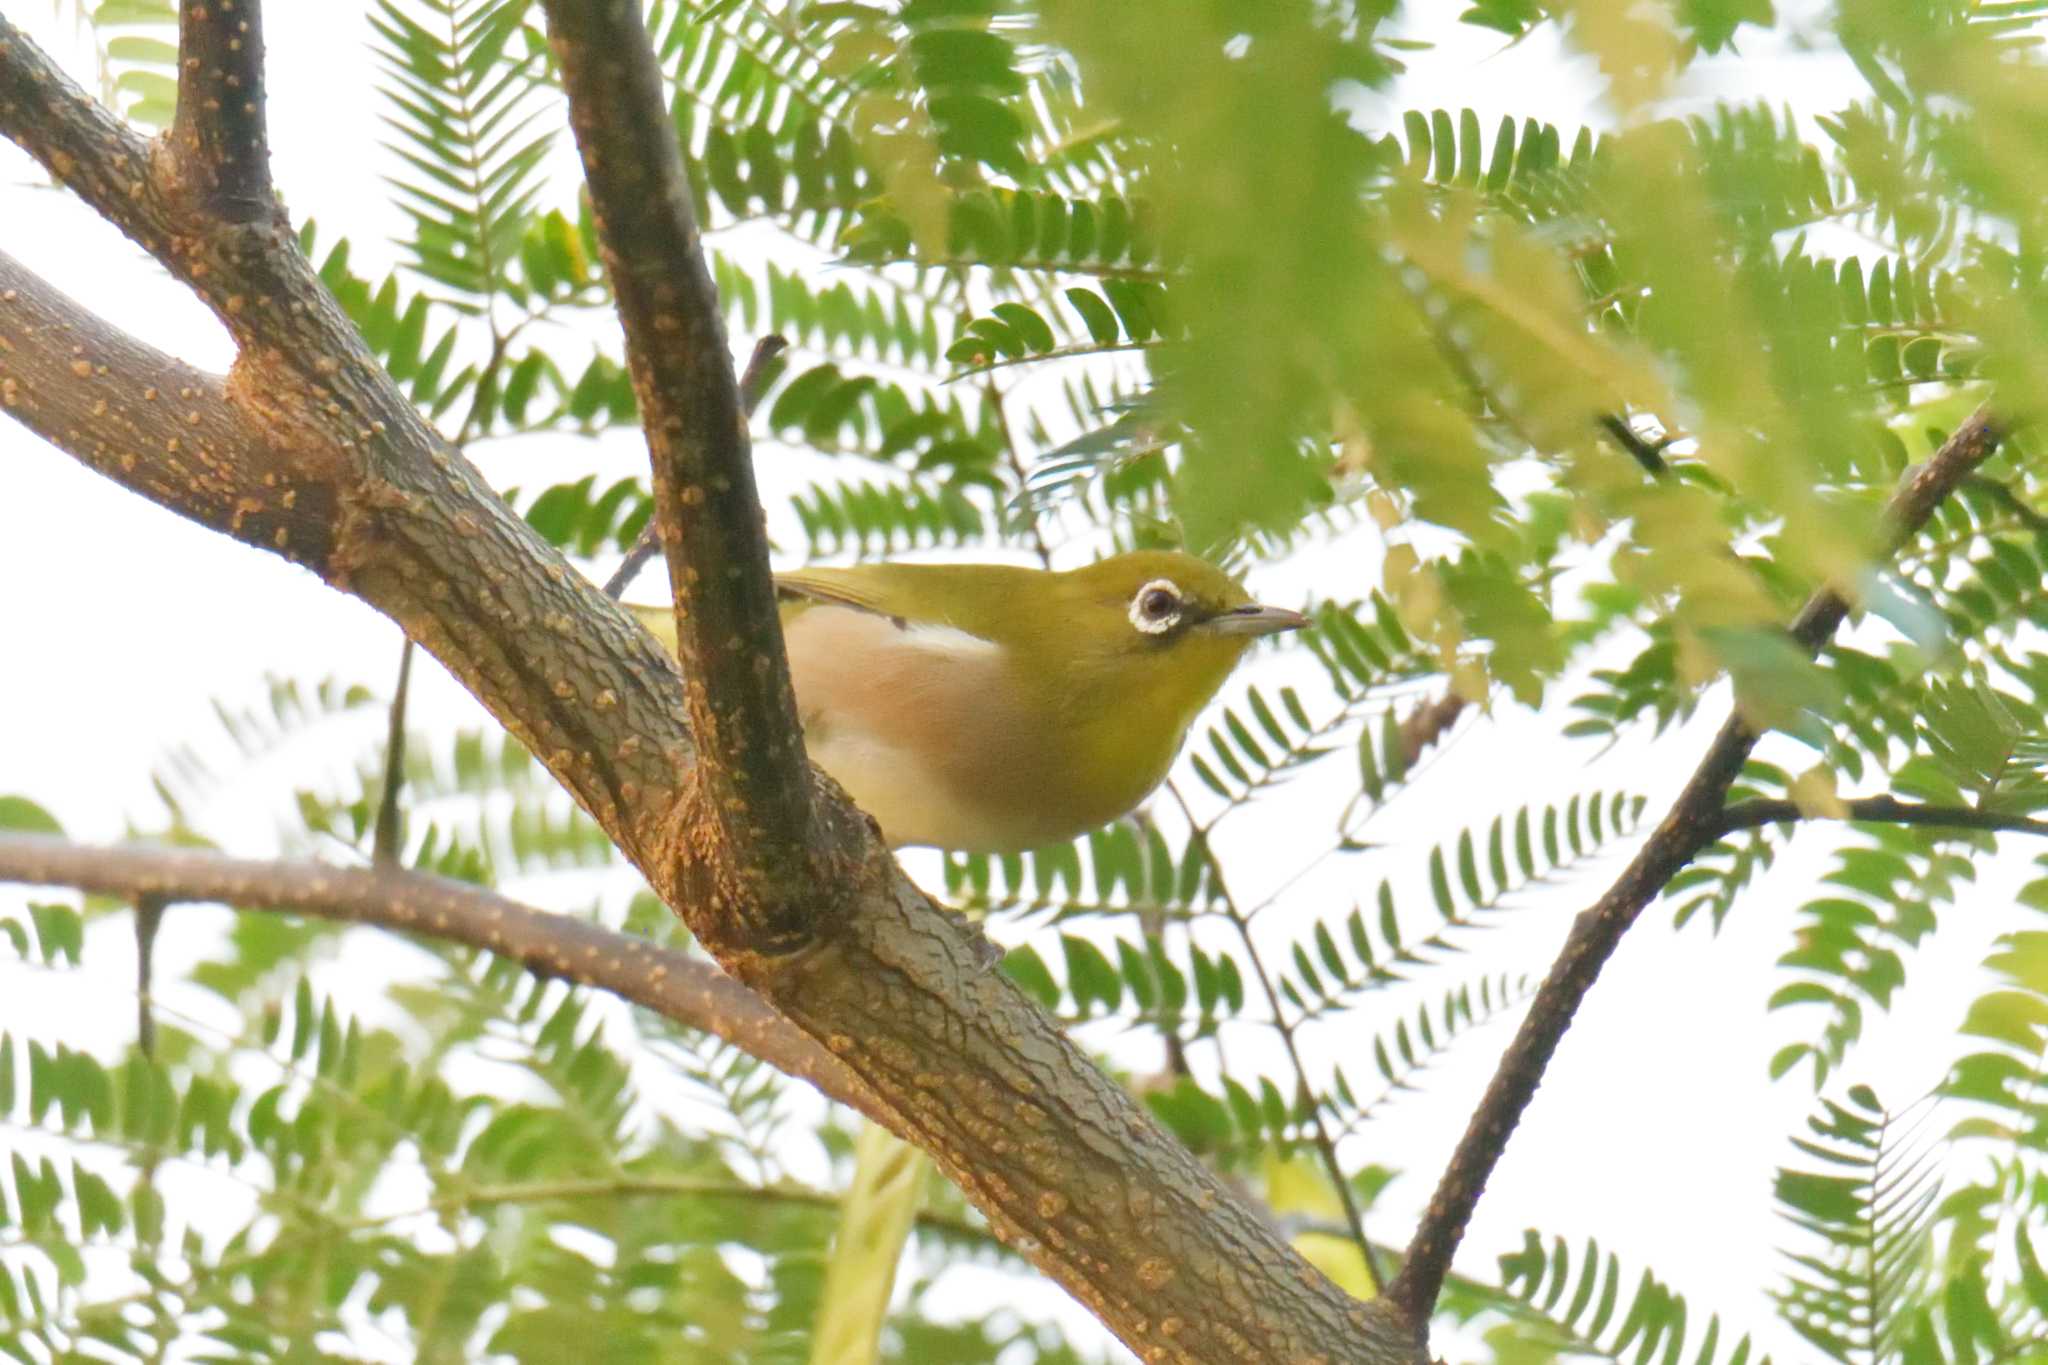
(972, 599)
(863, 594)
(868, 593)
(935, 603)
(660, 622)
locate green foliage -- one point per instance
(1467, 880)
(20, 815)
(138, 51)
(305, 1103)
(1851, 944)
(1401, 1055)
(1556, 1306)
(1567, 414)
(1128, 868)
(458, 88)
(1866, 1215)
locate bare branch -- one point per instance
(1693, 822)
(1881, 810)
(147, 421)
(218, 135)
(1648, 454)
(674, 985)
(384, 845)
(750, 833)
(149, 917)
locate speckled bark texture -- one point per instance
(306, 449)
(671, 983)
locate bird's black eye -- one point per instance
(1157, 607)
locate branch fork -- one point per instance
(309, 450)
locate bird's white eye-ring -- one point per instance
(1156, 608)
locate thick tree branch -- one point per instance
(218, 138)
(161, 195)
(751, 832)
(1879, 810)
(674, 985)
(307, 449)
(418, 536)
(1693, 822)
(150, 422)
(81, 143)
(753, 384)
(1067, 1166)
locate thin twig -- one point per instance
(1692, 823)
(1883, 810)
(1062, 353)
(753, 383)
(384, 847)
(1015, 459)
(1648, 454)
(149, 917)
(1326, 1149)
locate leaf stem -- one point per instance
(1325, 1147)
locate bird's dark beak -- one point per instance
(1253, 619)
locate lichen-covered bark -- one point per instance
(308, 437)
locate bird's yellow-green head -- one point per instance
(982, 706)
(1155, 627)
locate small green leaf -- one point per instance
(1023, 965)
(1096, 316)
(24, 816)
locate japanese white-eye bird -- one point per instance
(985, 708)
(982, 707)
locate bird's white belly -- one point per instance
(912, 804)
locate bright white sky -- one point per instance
(1657, 1131)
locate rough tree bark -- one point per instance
(673, 984)
(306, 449)
(859, 984)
